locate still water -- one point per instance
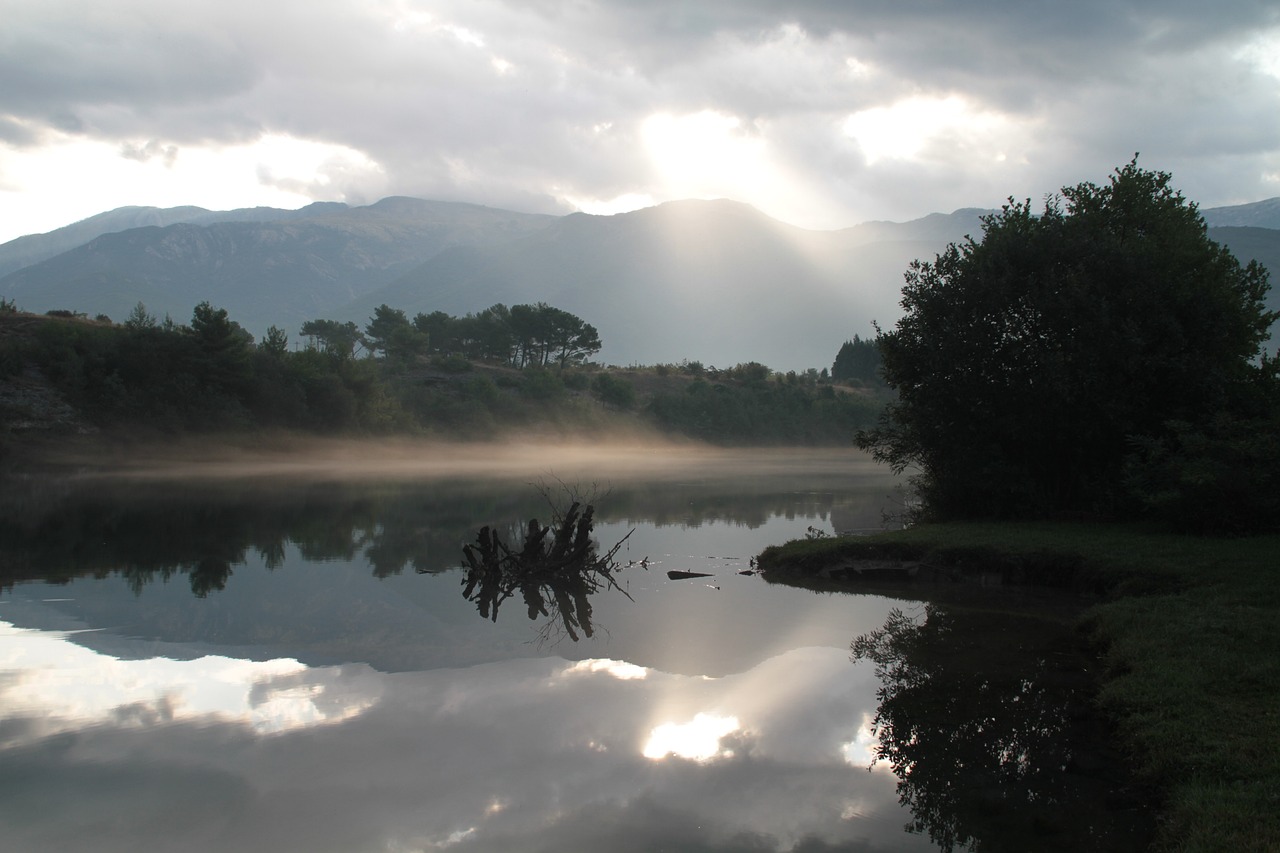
(288, 662)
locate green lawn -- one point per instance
(1190, 629)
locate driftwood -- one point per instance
(677, 575)
(555, 571)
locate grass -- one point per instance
(1190, 635)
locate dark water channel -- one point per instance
(290, 664)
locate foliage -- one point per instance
(859, 360)
(189, 378)
(1026, 364)
(576, 380)
(1221, 476)
(390, 332)
(752, 373)
(759, 412)
(340, 339)
(522, 335)
(613, 391)
(541, 384)
(544, 335)
(211, 376)
(452, 364)
(207, 376)
(140, 318)
(275, 341)
(223, 349)
(11, 360)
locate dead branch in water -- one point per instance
(555, 571)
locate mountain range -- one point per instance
(712, 281)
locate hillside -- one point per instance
(267, 267)
(712, 281)
(705, 281)
(709, 281)
(1258, 214)
(1255, 244)
(62, 377)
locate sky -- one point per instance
(821, 113)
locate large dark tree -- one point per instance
(223, 359)
(1028, 363)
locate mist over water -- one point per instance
(261, 612)
(405, 459)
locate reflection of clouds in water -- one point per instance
(699, 739)
(66, 685)
(515, 755)
(616, 668)
(861, 751)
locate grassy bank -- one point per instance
(1190, 633)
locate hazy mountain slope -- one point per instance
(301, 265)
(1255, 244)
(713, 281)
(936, 228)
(718, 282)
(1259, 214)
(33, 248)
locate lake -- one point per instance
(274, 653)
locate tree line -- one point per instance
(521, 336)
(478, 376)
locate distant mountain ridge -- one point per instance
(712, 281)
(715, 281)
(1258, 214)
(33, 248)
(277, 267)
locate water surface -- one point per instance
(283, 662)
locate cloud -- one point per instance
(542, 105)
(150, 149)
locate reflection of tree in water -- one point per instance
(56, 531)
(556, 571)
(986, 719)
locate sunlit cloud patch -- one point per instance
(698, 739)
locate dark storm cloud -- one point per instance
(57, 60)
(523, 102)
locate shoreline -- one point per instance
(1186, 631)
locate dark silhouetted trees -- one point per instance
(1027, 364)
(857, 359)
(339, 339)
